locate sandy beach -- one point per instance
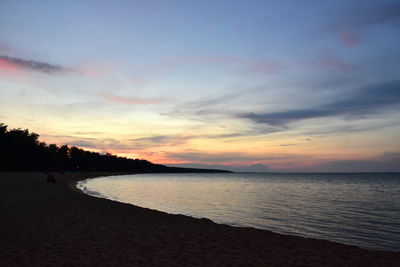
(46, 224)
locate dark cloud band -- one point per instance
(34, 65)
(365, 101)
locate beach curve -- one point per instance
(54, 224)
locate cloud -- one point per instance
(391, 156)
(365, 101)
(100, 144)
(243, 65)
(263, 67)
(337, 63)
(4, 48)
(380, 14)
(326, 58)
(158, 141)
(207, 158)
(387, 162)
(349, 38)
(134, 100)
(222, 109)
(353, 23)
(83, 143)
(87, 133)
(16, 64)
(330, 129)
(142, 144)
(175, 140)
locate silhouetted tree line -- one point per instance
(20, 150)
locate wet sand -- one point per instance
(45, 224)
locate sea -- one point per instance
(361, 209)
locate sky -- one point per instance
(240, 85)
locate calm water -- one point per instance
(358, 209)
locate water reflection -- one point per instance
(360, 209)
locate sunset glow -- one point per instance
(218, 84)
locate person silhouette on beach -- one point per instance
(51, 178)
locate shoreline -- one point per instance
(55, 224)
(72, 183)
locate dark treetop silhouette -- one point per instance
(20, 150)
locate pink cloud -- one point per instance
(94, 71)
(359, 19)
(15, 64)
(224, 60)
(262, 67)
(349, 39)
(178, 62)
(331, 63)
(326, 58)
(8, 66)
(334, 63)
(98, 69)
(134, 100)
